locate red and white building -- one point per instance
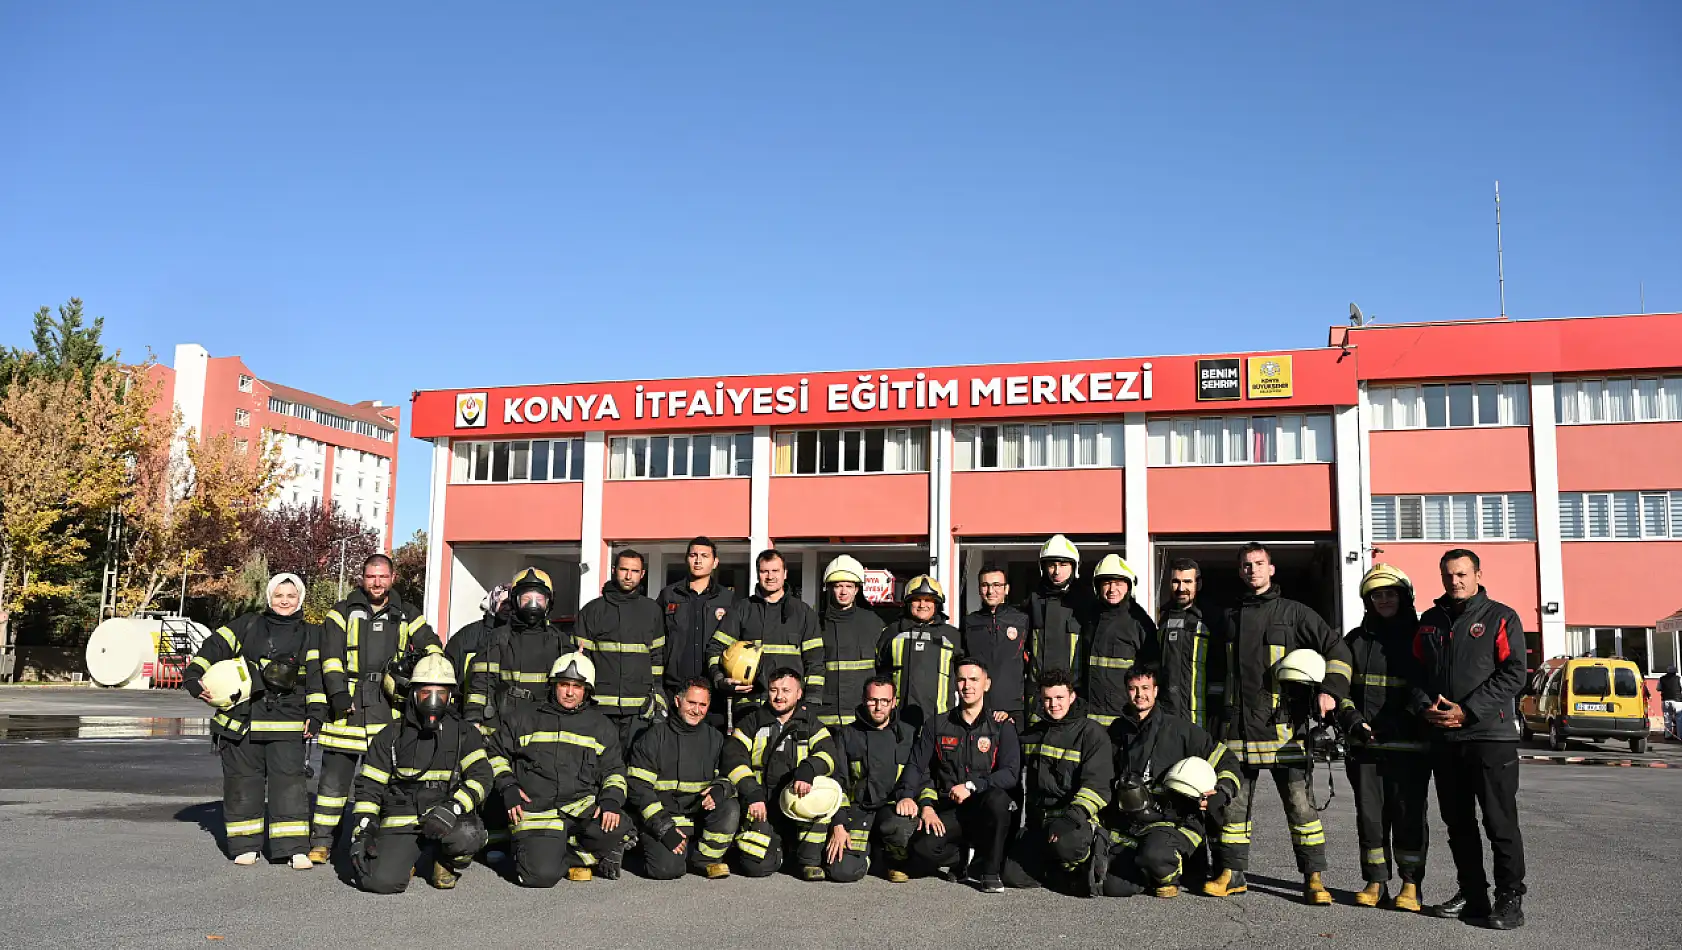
(333, 453)
(1552, 447)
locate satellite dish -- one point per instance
(118, 649)
(1356, 318)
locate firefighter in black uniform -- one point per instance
(1057, 610)
(685, 805)
(918, 651)
(1190, 648)
(1265, 732)
(465, 645)
(778, 744)
(561, 778)
(1119, 633)
(365, 634)
(1471, 661)
(997, 635)
(881, 815)
(851, 635)
(623, 633)
(261, 740)
(422, 781)
(779, 624)
(1153, 837)
(1068, 767)
(963, 769)
(1388, 765)
(693, 608)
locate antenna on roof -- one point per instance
(1500, 270)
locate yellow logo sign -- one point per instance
(470, 410)
(1270, 377)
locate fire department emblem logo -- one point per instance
(983, 744)
(470, 410)
(1011, 633)
(1477, 629)
(718, 614)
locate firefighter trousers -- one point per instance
(762, 846)
(338, 775)
(1151, 856)
(707, 836)
(391, 854)
(983, 822)
(1034, 859)
(1308, 835)
(883, 831)
(259, 776)
(543, 855)
(1390, 813)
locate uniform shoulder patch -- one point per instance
(1477, 630)
(982, 744)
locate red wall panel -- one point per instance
(1621, 583)
(529, 512)
(1038, 502)
(1626, 455)
(1215, 499)
(826, 506)
(1509, 572)
(675, 508)
(1440, 461)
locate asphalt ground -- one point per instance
(114, 842)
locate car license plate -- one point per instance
(1593, 707)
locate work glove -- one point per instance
(1063, 825)
(722, 791)
(669, 834)
(1219, 801)
(511, 798)
(312, 726)
(340, 704)
(440, 820)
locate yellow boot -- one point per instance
(1314, 892)
(579, 874)
(1408, 898)
(1372, 895)
(896, 876)
(1226, 884)
(717, 870)
(1166, 891)
(319, 856)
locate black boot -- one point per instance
(1508, 913)
(1461, 907)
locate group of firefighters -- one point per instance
(1071, 742)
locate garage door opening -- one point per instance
(479, 567)
(1306, 570)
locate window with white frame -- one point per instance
(1652, 654)
(1507, 517)
(1450, 405)
(714, 455)
(1037, 445)
(521, 460)
(1620, 399)
(1239, 440)
(245, 383)
(1620, 515)
(242, 418)
(852, 451)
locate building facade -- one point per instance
(1552, 447)
(333, 453)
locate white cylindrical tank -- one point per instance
(122, 652)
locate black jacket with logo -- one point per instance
(1117, 637)
(920, 658)
(624, 634)
(875, 765)
(998, 637)
(951, 751)
(691, 620)
(1067, 763)
(1264, 628)
(1191, 648)
(1473, 654)
(785, 631)
(851, 639)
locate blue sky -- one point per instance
(371, 200)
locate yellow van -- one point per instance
(1585, 697)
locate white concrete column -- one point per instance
(1136, 516)
(656, 569)
(192, 369)
(593, 573)
(942, 552)
(972, 579)
(1351, 503)
(759, 491)
(436, 601)
(1550, 557)
(811, 572)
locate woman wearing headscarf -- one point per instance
(260, 730)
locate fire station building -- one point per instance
(1551, 447)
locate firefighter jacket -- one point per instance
(875, 765)
(1471, 653)
(407, 770)
(624, 635)
(1067, 764)
(1117, 637)
(464, 647)
(851, 638)
(513, 672)
(998, 637)
(1145, 749)
(357, 641)
(691, 620)
(785, 631)
(951, 751)
(1055, 618)
(920, 657)
(1381, 688)
(263, 639)
(1265, 627)
(567, 761)
(1190, 651)
(670, 767)
(763, 754)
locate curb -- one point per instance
(1593, 760)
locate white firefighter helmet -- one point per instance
(576, 667)
(1113, 566)
(1192, 777)
(1384, 575)
(819, 804)
(740, 661)
(228, 683)
(433, 670)
(1300, 666)
(1060, 548)
(845, 567)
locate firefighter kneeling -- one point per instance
(687, 807)
(1067, 768)
(421, 781)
